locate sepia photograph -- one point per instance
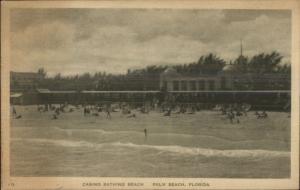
(149, 93)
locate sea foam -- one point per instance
(192, 151)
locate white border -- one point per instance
(215, 183)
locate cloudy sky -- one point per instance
(72, 41)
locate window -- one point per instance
(176, 85)
(211, 84)
(193, 85)
(201, 85)
(165, 85)
(183, 85)
(223, 83)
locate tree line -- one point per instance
(148, 78)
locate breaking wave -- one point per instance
(209, 152)
(192, 151)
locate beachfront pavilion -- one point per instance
(171, 80)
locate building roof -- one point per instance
(46, 91)
(153, 91)
(170, 71)
(136, 92)
(58, 92)
(234, 91)
(16, 95)
(42, 90)
(227, 67)
(25, 74)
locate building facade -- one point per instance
(170, 80)
(225, 80)
(24, 81)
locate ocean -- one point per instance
(203, 145)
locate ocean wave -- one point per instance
(209, 152)
(57, 142)
(192, 151)
(175, 135)
(109, 132)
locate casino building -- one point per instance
(171, 80)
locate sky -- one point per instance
(75, 41)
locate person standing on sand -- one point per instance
(108, 113)
(54, 116)
(264, 114)
(57, 111)
(14, 111)
(84, 111)
(168, 112)
(145, 132)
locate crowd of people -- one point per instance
(232, 112)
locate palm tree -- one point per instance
(42, 72)
(211, 64)
(265, 63)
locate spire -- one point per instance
(241, 48)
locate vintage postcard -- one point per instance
(150, 94)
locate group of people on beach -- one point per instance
(232, 112)
(91, 110)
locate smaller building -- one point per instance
(16, 99)
(24, 81)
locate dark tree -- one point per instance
(265, 63)
(42, 72)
